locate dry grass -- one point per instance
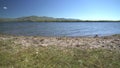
(16, 56)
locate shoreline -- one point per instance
(104, 42)
(59, 52)
(82, 36)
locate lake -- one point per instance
(60, 28)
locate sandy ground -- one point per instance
(108, 42)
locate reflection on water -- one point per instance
(60, 28)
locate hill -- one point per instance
(37, 19)
(48, 19)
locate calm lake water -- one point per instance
(60, 28)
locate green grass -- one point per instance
(16, 56)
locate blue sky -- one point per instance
(79, 9)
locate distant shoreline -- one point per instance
(49, 19)
(61, 21)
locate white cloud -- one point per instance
(5, 8)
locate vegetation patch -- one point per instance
(17, 56)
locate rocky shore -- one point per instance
(59, 52)
(107, 42)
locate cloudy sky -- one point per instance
(80, 9)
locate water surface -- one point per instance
(60, 28)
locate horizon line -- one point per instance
(66, 18)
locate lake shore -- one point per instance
(107, 42)
(59, 52)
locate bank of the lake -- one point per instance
(104, 42)
(60, 52)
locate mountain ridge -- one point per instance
(48, 19)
